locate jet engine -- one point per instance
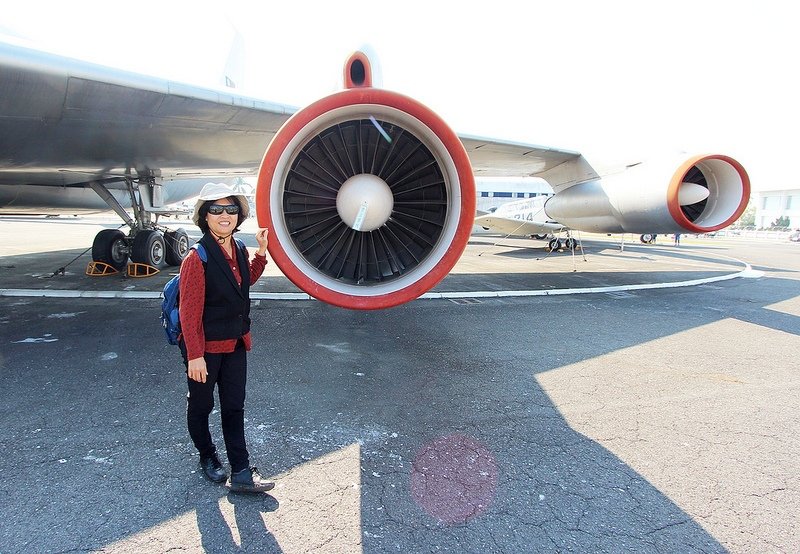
(695, 195)
(368, 195)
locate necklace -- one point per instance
(219, 238)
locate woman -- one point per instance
(215, 332)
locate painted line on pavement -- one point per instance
(747, 273)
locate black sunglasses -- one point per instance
(217, 209)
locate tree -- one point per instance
(748, 217)
(781, 223)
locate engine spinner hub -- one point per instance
(364, 202)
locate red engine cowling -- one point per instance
(695, 195)
(368, 195)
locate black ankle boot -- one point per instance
(249, 480)
(213, 468)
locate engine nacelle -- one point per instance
(704, 193)
(368, 195)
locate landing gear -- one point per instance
(177, 243)
(648, 238)
(571, 244)
(111, 247)
(148, 248)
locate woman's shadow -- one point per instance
(217, 534)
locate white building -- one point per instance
(494, 191)
(772, 204)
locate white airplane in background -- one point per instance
(525, 218)
(369, 196)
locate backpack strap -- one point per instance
(201, 252)
(240, 244)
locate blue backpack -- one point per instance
(170, 317)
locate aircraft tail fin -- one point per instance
(233, 73)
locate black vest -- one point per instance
(226, 314)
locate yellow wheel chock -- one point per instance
(141, 270)
(100, 269)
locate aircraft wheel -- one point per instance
(554, 244)
(571, 244)
(110, 247)
(539, 237)
(647, 239)
(177, 246)
(148, 248)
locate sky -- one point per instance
(617, 80)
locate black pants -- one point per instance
(228, 372)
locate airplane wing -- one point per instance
(497, 158)
(66, 122)
(132, 121)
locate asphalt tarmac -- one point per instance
(622, 419)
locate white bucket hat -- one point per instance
(215, 191)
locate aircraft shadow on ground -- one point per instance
(452, 384)
(110, 460)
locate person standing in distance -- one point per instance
(215, 332)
